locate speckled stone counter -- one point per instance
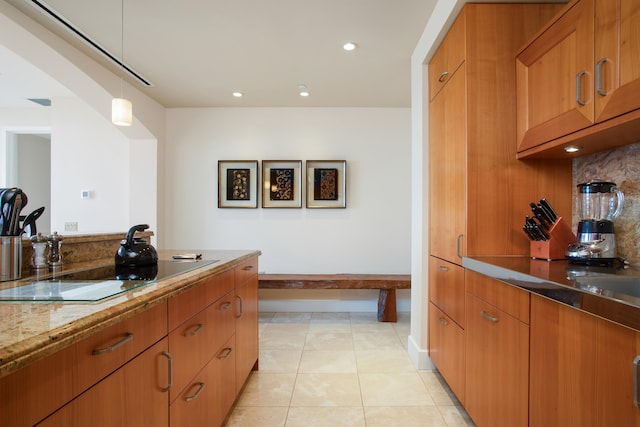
(558, 280)
(33, 330)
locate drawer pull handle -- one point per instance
(636, 381)
(599, 65)
(459, 245)
(239, 315)
(443, 76)
(112, 347)
(489, 317)
(247, 268)
(225, 306)
(579, 99)
(195, 330)
(443, 268)
(169, 370)
(195, 395)
(443, 321)
(227, 352)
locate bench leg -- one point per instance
(387, 306)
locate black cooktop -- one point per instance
(96, 283)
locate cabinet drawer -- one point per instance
(209, 396)
(195, 342)
(511, 300)
(44, 386)
(447, 349)
(448, 57)
(446, 288)
(246, 270)
(183, 306)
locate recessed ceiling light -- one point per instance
(572, 149)
(303, 91)
(349, 46)
(238, 94)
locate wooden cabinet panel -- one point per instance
(446, 350)
(511, 300)
(247, 329)
(581, 368)
(246, 270)
(448, 58)
(134, 395)
(497, 362)
(446, 288)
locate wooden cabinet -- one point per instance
(134, 395)
(497, 353)
(478, 191)
(446, 288)
(579, 73)
(246, 320)
(449, 57)
(582, 368)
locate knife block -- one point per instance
(560, 236)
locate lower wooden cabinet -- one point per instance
(246, 329)
(582, 368)
(446, 349)
(134, 395)
(497, 354)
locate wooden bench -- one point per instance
(386, 283)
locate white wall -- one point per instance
(372, 235)
(34, 170)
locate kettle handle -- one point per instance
(132, 231)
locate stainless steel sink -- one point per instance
(610, 285)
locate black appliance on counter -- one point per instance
(135, 252)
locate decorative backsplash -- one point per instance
(621, 166)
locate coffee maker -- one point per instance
(598, 204)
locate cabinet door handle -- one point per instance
(195, 395)
(636, 382)
(227, 352)
(225, 306)
(599, 65)
(579, 99)
(195, 330)
(489, 317)
(443, 76)
(443, 268)
(239, 315)
(169, 371)
(247, 268)
(112, 347)
(459, 245)
(443, 321)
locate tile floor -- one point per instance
(341, 369)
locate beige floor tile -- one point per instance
(376, 340)
(273, 360)
(385, 360)
(283, 336)
(268, 389)
(291, 318)
(329, 340)
(330, 318)
(323, 417)
(394, 389)
(373, 328)
(337, 361)
(243, 416)
(438, 388)
(265, 316)
(404, 416)
(455, 416)
(320, 389)
(363, 318)
(327, 327)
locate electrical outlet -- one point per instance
(70, 226)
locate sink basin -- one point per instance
(610, 285)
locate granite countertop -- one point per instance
(558, 280)
(33, 330)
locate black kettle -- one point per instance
(136, 252)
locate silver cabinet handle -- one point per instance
(443, 76)
(227, 352)
(443, 268)
(489, 317)
(443, 321)
(459, 245)
(169, 370)
(194, 331)
(241, 307)
(123, 341)
(636, 381)
(599, 89)
(195, 395)
(579, 99)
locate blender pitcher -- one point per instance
(599, 201)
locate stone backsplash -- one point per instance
(621, 166)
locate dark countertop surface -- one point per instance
(559, 280)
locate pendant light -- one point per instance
(121, 108)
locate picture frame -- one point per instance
(282, 183)
(326, 183)
(238, 184)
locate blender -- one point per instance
(598, 204)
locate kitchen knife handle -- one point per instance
(459, 245)
(636, 382)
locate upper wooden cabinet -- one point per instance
(578, 80)
(478, 192)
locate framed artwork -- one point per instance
(282, 183)
(326, 183)
(238, 184)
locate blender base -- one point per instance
(599, 262)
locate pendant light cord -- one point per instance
(122, 49)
